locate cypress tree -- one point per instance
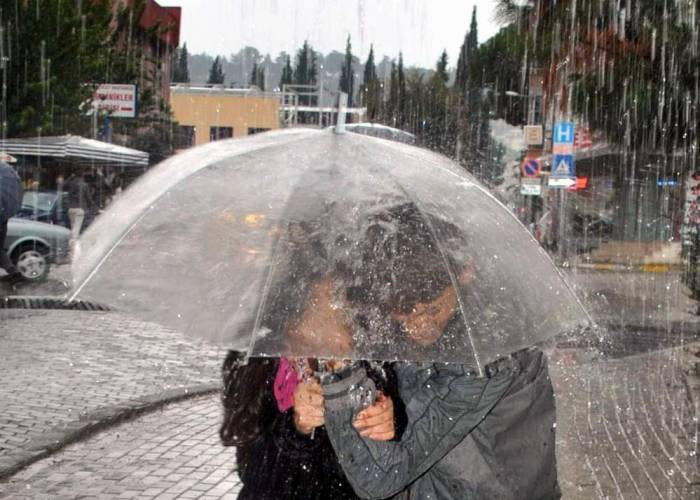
(467, 56)
(260, 78)
(347, 76)
(392, 106)
(441, 67)
(369, 92)
(216, 73)
(287, 73)
(401, 80)
(253, 80)
(181, 72)
(301, 69)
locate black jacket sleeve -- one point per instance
(440, 414)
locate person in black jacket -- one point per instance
(466, 435)
(10, 201)
(275, 458)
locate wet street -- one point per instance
(628, 403)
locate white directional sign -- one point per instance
(119, 101)
(561, 182)
(531, 189)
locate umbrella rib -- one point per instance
(106, 256)
(556, 269)
(450, 271)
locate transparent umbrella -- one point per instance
(308, 243)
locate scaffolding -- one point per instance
(311, 100)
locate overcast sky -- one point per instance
(421, 29)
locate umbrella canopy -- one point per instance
(76, 150)
(252, 241)
(381, 131)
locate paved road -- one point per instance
(627, 426)
(64, 371)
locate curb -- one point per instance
(637, 268)
(690, 368)
(94, 422)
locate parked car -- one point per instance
(45, 206)
(33, 246)
(585, 232)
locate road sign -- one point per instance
(561, 182)
(562, 165)
(563, 133)
(119, 101)
(533, 135)
(531, 167)
(667, 182)
(531, 189)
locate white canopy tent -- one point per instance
(75, 150)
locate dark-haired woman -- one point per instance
(274, 414)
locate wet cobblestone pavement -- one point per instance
(171, 453)
(627, 414)
(65, 371)
(626, 429)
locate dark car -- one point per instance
(45, 206)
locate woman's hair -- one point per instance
(299, 261)
(401, 262)
(247, 392)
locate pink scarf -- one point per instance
(286, 382)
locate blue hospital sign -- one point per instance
(563, 133)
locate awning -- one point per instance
(75, 150)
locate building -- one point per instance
(158, 34)
(211, 112)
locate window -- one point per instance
(218, 133)
(184, 137)
(256, 130)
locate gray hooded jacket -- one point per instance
(466, 436)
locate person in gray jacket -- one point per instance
(465, 435)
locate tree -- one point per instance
(441, 67)
(347, 75)
(257, 76)
(48, 59)
(216, 73)
(287, 73)
(466, 64)
(301, 68)
(312, 76)
(181, 72)
(393, 100)
(370, 91)
(401, 92)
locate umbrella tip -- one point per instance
(342, 105)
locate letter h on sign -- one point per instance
(563, 133)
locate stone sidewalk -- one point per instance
(68, 373)
(170, 453)
(626, 429)
(624, 415)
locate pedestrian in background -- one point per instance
(11, 193)
(81, 205)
